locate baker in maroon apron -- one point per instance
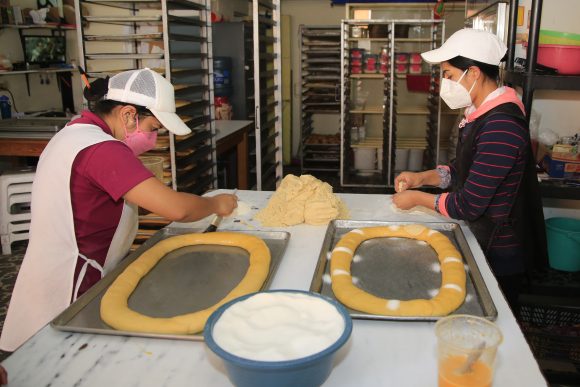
(492, 182)
(85, 194)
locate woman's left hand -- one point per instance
(406, 200)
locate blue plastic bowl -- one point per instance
(310, 371)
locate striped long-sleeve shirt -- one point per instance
(499, 154)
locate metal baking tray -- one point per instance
(184, 281)
(402, 269)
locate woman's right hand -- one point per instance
(224, 204)
(407, 180)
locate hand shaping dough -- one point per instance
(450, 296)
(114, 307)
(303, 199)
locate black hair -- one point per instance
(464, 63)
(95, 92)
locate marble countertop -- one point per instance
(379, 353)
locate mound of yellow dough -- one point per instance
(453, 279)
(115, 310)
(303, 199)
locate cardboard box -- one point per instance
(565, 169)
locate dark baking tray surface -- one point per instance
(184, 281)
(402, 269)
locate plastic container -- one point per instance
(308, 371)
(355, 32)
(418, 82)
(371, 63)
(566, 59)
(415, 69)
(222, 76)
(402, 58)
(383, 68)
(415, 160)
(561, 38)
(415, 58)
(153, 164)
(563, 243)
(401, 68)
(465, 339)
(356, 62)
(5, 107)
(364, 160)
(401, 159)
(357, 53)
(384, 55)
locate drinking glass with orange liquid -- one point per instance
(466, 349)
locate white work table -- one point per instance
(379, 353)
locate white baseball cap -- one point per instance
(478, 45)
(148, 89)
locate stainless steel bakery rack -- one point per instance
(320, 98)
(267, 94)
(380, 114)
(172, 37)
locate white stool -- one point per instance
(15, 197)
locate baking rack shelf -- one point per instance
(320, 102)
(374, 103)
(173, 37)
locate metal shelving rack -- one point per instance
(267, 94)
(172, 37)
(528, 79)
(392, 132)
(319, 91)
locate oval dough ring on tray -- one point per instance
(115, 310)
(451, 294)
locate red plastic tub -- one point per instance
(418, 82)
(566, 59)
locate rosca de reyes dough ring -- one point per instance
(451, 294)
(115, 310)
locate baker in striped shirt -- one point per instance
(492, 183)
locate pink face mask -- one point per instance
(140, 141)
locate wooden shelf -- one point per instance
(369, 39)
(413, 40)
(413, 110)
(369, 110)
(368, 76)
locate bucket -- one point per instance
(364, 160)
(222, 76)
(154, 164)
(401, 159)
(415, 160)
(563, 243)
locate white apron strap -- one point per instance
(123, 237)
(83, 272)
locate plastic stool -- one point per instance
(15, 196)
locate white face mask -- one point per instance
(454, 94)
